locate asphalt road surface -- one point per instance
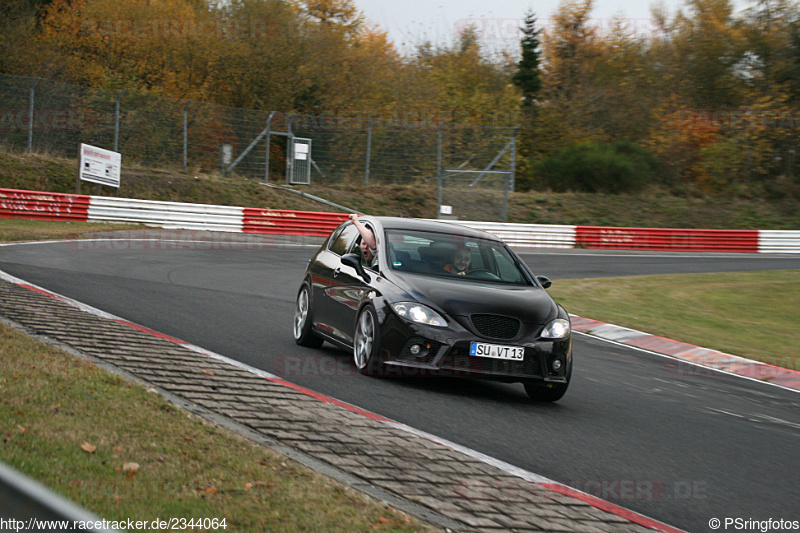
(678, 444)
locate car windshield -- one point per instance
(454, 256)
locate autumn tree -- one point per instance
(468, 85)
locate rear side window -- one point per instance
(341, 243)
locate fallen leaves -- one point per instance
(88, 448)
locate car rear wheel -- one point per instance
(366, 342)
(302, 321)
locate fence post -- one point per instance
(116, 120)
(369, 151)
(289, 148)
(31, 98)
(186, 135)
(439, 176)
(266, 164)
(513, 169)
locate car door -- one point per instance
(345, 295)
(325, 278)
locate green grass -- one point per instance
(750, 314)
(15, 229)
(80, 430)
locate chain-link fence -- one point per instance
(472, 166)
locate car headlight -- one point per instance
(557, 329)
(419, 313)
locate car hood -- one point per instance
(531, 304)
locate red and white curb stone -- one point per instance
(690, 354)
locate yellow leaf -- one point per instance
(89, 448)
(130, 467)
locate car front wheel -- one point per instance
(302, 321)
(366, 342)
(545, 392)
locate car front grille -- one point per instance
(496, 326)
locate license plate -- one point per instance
(497, 351)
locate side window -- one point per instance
(343, 242)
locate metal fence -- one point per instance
(471, 166)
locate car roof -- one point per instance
(418, 224)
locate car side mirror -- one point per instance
(544, 281)
(353, 260)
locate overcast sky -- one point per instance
(411, 22)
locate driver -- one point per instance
(461, 261)
(368, 244)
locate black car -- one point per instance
(413, 314)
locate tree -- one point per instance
(528, 75)
(340, 14)
(468, 85)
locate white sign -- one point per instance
(447, 210)
(301, 151)
(100, 166)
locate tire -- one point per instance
(545, 392)
(367, 342)
(302, 321)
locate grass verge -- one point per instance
(750, 314)
(125, 453)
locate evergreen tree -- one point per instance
(527, 77)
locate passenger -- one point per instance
(461, 261)
(368, 244)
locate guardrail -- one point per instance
(173, 215)
(43, 206)
(284, 222)
(676, 240)
(528, 235)
(170, 215)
